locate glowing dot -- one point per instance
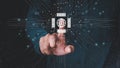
(33, 24)
(28, 35)
(82, 13)
(26, 19)
(28, 46)
(25, 29)
(18, 19)
(81, 4)
(33, 39)
(85, 19)
(19, 33)
(86, 11)
(100, 13)
(69, 5)
(73, 11)
(80, 25)
(48, 19)
(75, 40)
(88, 31)
(94, 8)
(76, 6)
(103, 11)
(103, 43)
(38, 33)
(96, 3)
(36, 13)
(91, 24)
(77, 1)
(42, 11)
(96, 44)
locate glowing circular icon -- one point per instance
(61, 22)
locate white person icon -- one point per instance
(61, 23)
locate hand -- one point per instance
(54, 44)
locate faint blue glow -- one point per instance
(96, 3)
(103, 11)
(42, 11)
(76, 6)
(91, 24)
(69, 5)
(80, 25)
(86, 11)
(73, 11)
(81, 4)
(88, 31)
(103, 43)
(96, 44)
(94, 8)
(100, 13)
(25, 29)
(36, 13)
(48, 19)
(28, 35)
(33, 24)
(73, 33)
(85, 19)
(18, 19)
(77, 1)
(84, 30)
(67, 41)
(79, 22)
(33, 39)
(38, 33)
(26, 19)
(75, 41)
(82, 13)
(19, 33)
(28, 46)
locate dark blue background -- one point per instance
(16, 50)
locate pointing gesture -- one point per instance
(55, 44)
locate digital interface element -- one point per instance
(92, 29)
(61, 22)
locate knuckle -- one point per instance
(52, 37)
(54, 34)
(47, 52)
(41, 39)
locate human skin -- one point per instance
(54, 44)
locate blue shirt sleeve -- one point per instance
(35, 29)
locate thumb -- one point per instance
(69, 48)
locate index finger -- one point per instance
(52, 40)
